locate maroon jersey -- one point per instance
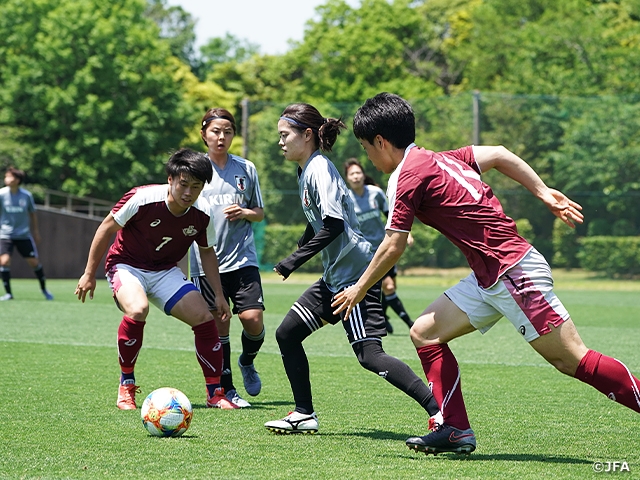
(152, 238)
(444, 190)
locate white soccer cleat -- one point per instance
(295, 422)
(236, 399)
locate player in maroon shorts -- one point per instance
(509, 277)
(154, 227)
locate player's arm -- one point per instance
(99, 245)
(511, 165)
(33, 226)
(387, 255)
(211, 270)
(306, 236)
(236, 212)
(331, 228)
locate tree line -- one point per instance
(93, 95)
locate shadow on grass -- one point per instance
(474, 457)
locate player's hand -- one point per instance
(564, 208)
(234, 212)
(279, 273)
(86, 284)
(222, 311)
(346, 300)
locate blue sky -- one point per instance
(268, 23)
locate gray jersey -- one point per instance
(15, 221)
(236, 183)
(368, 207)
(324, 194)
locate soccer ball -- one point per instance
(166, 412)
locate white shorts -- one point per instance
(164, 288)
(523, 294)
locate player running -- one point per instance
(509, 277)
(236, 202)
(332, 231)
(154, 227)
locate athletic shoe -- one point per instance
(219, 400)
(127, 396)
(6, 297)
(251, 379)
(443, 439)
(236, 399)
(47, 295)
(294, 423)
(388, 325)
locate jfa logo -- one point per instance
(241, 183)
(305, 198)
(611, 467)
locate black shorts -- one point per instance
(242, 287)
(366, 322)
(25, 246)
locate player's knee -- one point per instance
(291, 330)
(369, 355)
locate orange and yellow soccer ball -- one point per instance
(166, 412)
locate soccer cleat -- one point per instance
(219, 400)
(127, 396)
(251, 379)
(444, 439)
(47, 295)
(6, 297)
(236, 399)
(295, 422)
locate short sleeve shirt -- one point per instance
(15, 210)
(324, 194)
(236, 183)
(444, 190)
(152, 238)
(369, 206)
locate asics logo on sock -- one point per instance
(130, 343)
(454, 437)
(612, 396)
(217, 347)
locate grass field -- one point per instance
(59, 375)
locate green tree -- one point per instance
(177, 28)
(90, 87)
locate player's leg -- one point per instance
(563, 348)
(391, 296)
(29, 251)
(6, 248)
(441, 322)
(226, 377)
(301, 321)
(247, 300)
(182, 300)
(131, 298)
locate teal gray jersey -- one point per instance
(236, 183)
(324, 194)
(15, 210)
(369, 207)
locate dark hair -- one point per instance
(368, 180)
(189, 163)
(387, 115)
(19, 174)
(325, 130)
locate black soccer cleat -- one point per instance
(444, 439)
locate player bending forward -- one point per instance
(509, 277)
(155, 225)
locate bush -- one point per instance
(614, 256)
(280, 241)
(565, 245)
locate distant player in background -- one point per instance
(19, 229)
(332, 232)
(236, 202)
(509, 277)
(154, 227)
(370, 202)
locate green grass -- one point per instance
(59, 374)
